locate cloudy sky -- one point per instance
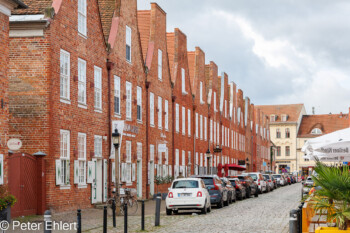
(277, 52)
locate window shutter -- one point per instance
(148, 173)
(58, 172)
(76, 171)
(105, 174)
(189, 122)
(90, 171)
(113, 172)
(1, 169)
(170, 170)
(68, 172)
(133, 172)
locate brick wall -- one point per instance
(4, 59)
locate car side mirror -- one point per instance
(168, 189)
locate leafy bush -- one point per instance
(6, 198)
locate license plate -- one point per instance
(122, 191)
(184, 194)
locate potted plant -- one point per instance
(333, 196)
(7, 200)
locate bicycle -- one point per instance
(127, 196)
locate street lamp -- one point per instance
(208, 158)
(116, 144)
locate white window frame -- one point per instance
(166, 117)
(201, 92)
(205, 128)
(64, 75)
(183, 120)
(82, 17)
(65, 157)
(98, 146)
(81, 81)
(128, 165)
(128, 36)
(201, 127)
(177, 115)
(197, 133)
(160, 64)
(211, 131)
(116, 95)
(160, 112)
(151, 108)
(183, 80)
(189, 121)
(128, 102)
(98, 87)
(215, 109)
(82, 159)
(139, 104)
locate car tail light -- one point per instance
(216, 187)
(170, 195)
(258, 182)
(199, 194)
(269, 180)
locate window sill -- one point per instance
(82, 186)
(81, 105)
(202, 102)
(62, 187)
(128, 119)
(117, 115)
(152, 125)
(160, 128)
(129, 184)
(129, 62)
(82, 35)
(184, 93)
(139, 121)
(98, 110)
(65, 101)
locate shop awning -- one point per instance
(235, 167)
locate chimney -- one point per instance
(313, 110)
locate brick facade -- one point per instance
(123, 45)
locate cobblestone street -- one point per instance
(267, 213)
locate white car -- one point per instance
(259, 180)
(280, 180)
(188, 194)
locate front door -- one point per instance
(151, 174)
(94, 183)
(139, 178)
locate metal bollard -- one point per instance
(114, 218)
(158, 202)
(293, 221)
(79, 221)
(47, 222)
(125, 218)
(300, 218)
(143, 216)
(105, 219)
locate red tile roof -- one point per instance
(292, 110)
(144, 24)
(327, 123)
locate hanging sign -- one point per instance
(14, 144)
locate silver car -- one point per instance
(308, 185)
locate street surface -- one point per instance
(267, 213)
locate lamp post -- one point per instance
(116, 144)
(208, 160)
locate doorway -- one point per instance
(99, 181)
(151, 174)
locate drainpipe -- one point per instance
(109, 68)
(173, 98)
(147, 133)
(194, 134)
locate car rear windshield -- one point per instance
(233, 182)
(277, 176)
(254, 176)
(241, 178)
(208, 180)
(180, 184)
(266, 176)
(309, 179)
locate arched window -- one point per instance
(316, 131)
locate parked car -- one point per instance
(187, 194)
(217, 192)
(288, 180)
(231, 192)
(249, 184)
(259, 180)
(274, 181)
(240, 189)
(279, 179)
(308, 185)
(271, 185)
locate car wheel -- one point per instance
(209, 208)
(256, 193)
(204, 209)
(249, 193)
(231, 200)
(176, 211)
(221, 203)
(168, 211)
(226, 202)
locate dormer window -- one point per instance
(284, 117)
(316, 131)
(272, 118)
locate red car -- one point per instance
(288, 180)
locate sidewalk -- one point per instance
(92, 220)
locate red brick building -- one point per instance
(159, 137)
(6, 6)
(182, 101)
(196, 62)
(214, 117)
